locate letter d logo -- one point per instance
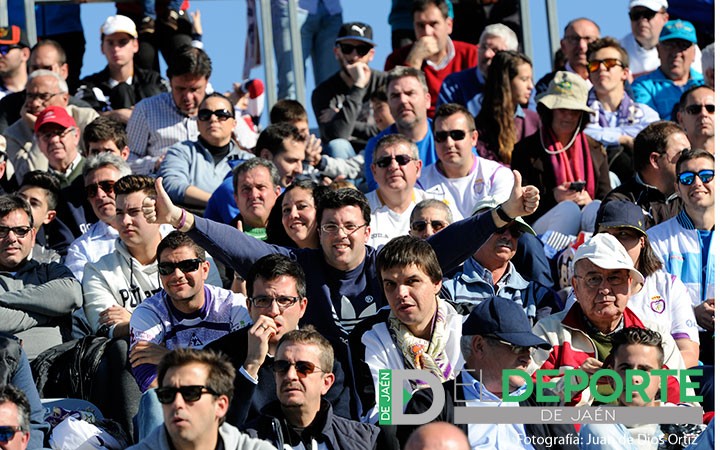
(391, 399)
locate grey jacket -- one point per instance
(232, 439)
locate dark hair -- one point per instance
(221, 373)
(641, 336)
(690, 154)
(276, 233)
(13, 202)
(683, 98)
(308, 335)
(404, 251)
(46, 181)
(105, 128)
(62, 56)
(379, 95)
(288, 111)
(398, 72)
(272, 266)
(448, 109)
(191, 61)
(177, 239)
(221, 96)
(608, 42)
(648, 262)
(423, 5)
(652, 139)
(251, 164)
(343, 197)
(496, 118)
(135, 183)
(11, 394)
(273, 136)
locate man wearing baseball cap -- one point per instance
(662, 88)
(58, 137)
(496, 336)
(120, 84)
(604, 278)
(342, 102)
(14, 54)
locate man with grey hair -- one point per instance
(428, 217)
(256, 188)
(708, 65)
(44, 88)
(467, 86)
(15, 414)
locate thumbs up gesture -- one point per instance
(523, 201)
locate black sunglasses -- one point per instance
(688, 178)
(303, 368)
(385, 161)
(420, 225)
(5, 49)
(19, 231)
(185, 266)
(696, 109)
(609, 63)
(108, 186)
(361, 50)
(222, 114)
(8, 431)
(166, 395)
(455, 135)
(638, 14)
(513, 228)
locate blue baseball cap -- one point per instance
(678, 29)
(504, 319)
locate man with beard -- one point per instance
(14, 53)
(696, 114)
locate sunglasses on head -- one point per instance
(419, 226)
(107, 186)
(185, 266)
(687, 178)
(303, 368)
(385, 161)
(609, 63)
(166, 395)
(8, 431)
(362, 49)
(222, 114)
(696, 109)
(638, 14)
(455, 135)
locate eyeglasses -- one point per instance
(696, 109)
(361, 50)
(108, 187)
(167, 395)
(455, 135)
(20, 231)
(222, 114)
(421, 225)
(609, 63)
(303, 368)
(595, 280)
(42, 96)
(8, 431)
(516, 349)
(513, 228)
(385, 161)
(47, 135)
(348, 228)
(638, 14)
(185, 266)
(688, 178)
(5, 49)
(266, 301)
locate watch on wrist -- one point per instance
(502, 214)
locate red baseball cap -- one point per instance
(54, 114)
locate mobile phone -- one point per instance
(577, 186)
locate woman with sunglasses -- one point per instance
(569, 167)
(504, 118)
(292, 221)
(192, 170)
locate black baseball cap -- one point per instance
(621, 214)
(504, 319)
(357, 31)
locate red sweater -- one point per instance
(465, 57)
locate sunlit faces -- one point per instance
(109, 146)
(577, 38)
(676, 57)
(522, 85)
(256, 195)
(42, 92)
(606, 80)
(499, 248)
(119, 49)
(103, 203)
(487, 49)
(647, 31)
(217, 131)
(602, 304)
(298, 215)
(381, 114)
(185, 289)
(565, 121)
(289, 161)
(14, 249)
(353, 57)
(631, 239)
(411, 295)
(698, 195)
(431, 22)
(452, 152)
(665, 162)
(37, 197)
(59, 145)
(9, 416)
(638, 357)
(302, 392)
(695, 117)
(13, 61)
(408, 102)
(396, 177)
(47, 57)
(192, 422)
(341, 250)
(134, 229)
(188, 91)
(499, 357)
(285, 319)
(422, 225)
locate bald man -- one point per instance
(438, 436)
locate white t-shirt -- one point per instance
(386, 224)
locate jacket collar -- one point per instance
(575, 318)
(474, 272)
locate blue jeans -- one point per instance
(149, 7)
(149, 415)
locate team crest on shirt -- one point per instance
(479, 185)
(195, 342)
(657, 304)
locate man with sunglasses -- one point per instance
(696, 114)
(300, 417)
(14, 53)
(195, 419)
(496, 336)
(429, 217)
(686, 243)
(342, 102)
(661, 89)
(14, 419)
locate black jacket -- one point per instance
(657, 207)
(145, 83)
